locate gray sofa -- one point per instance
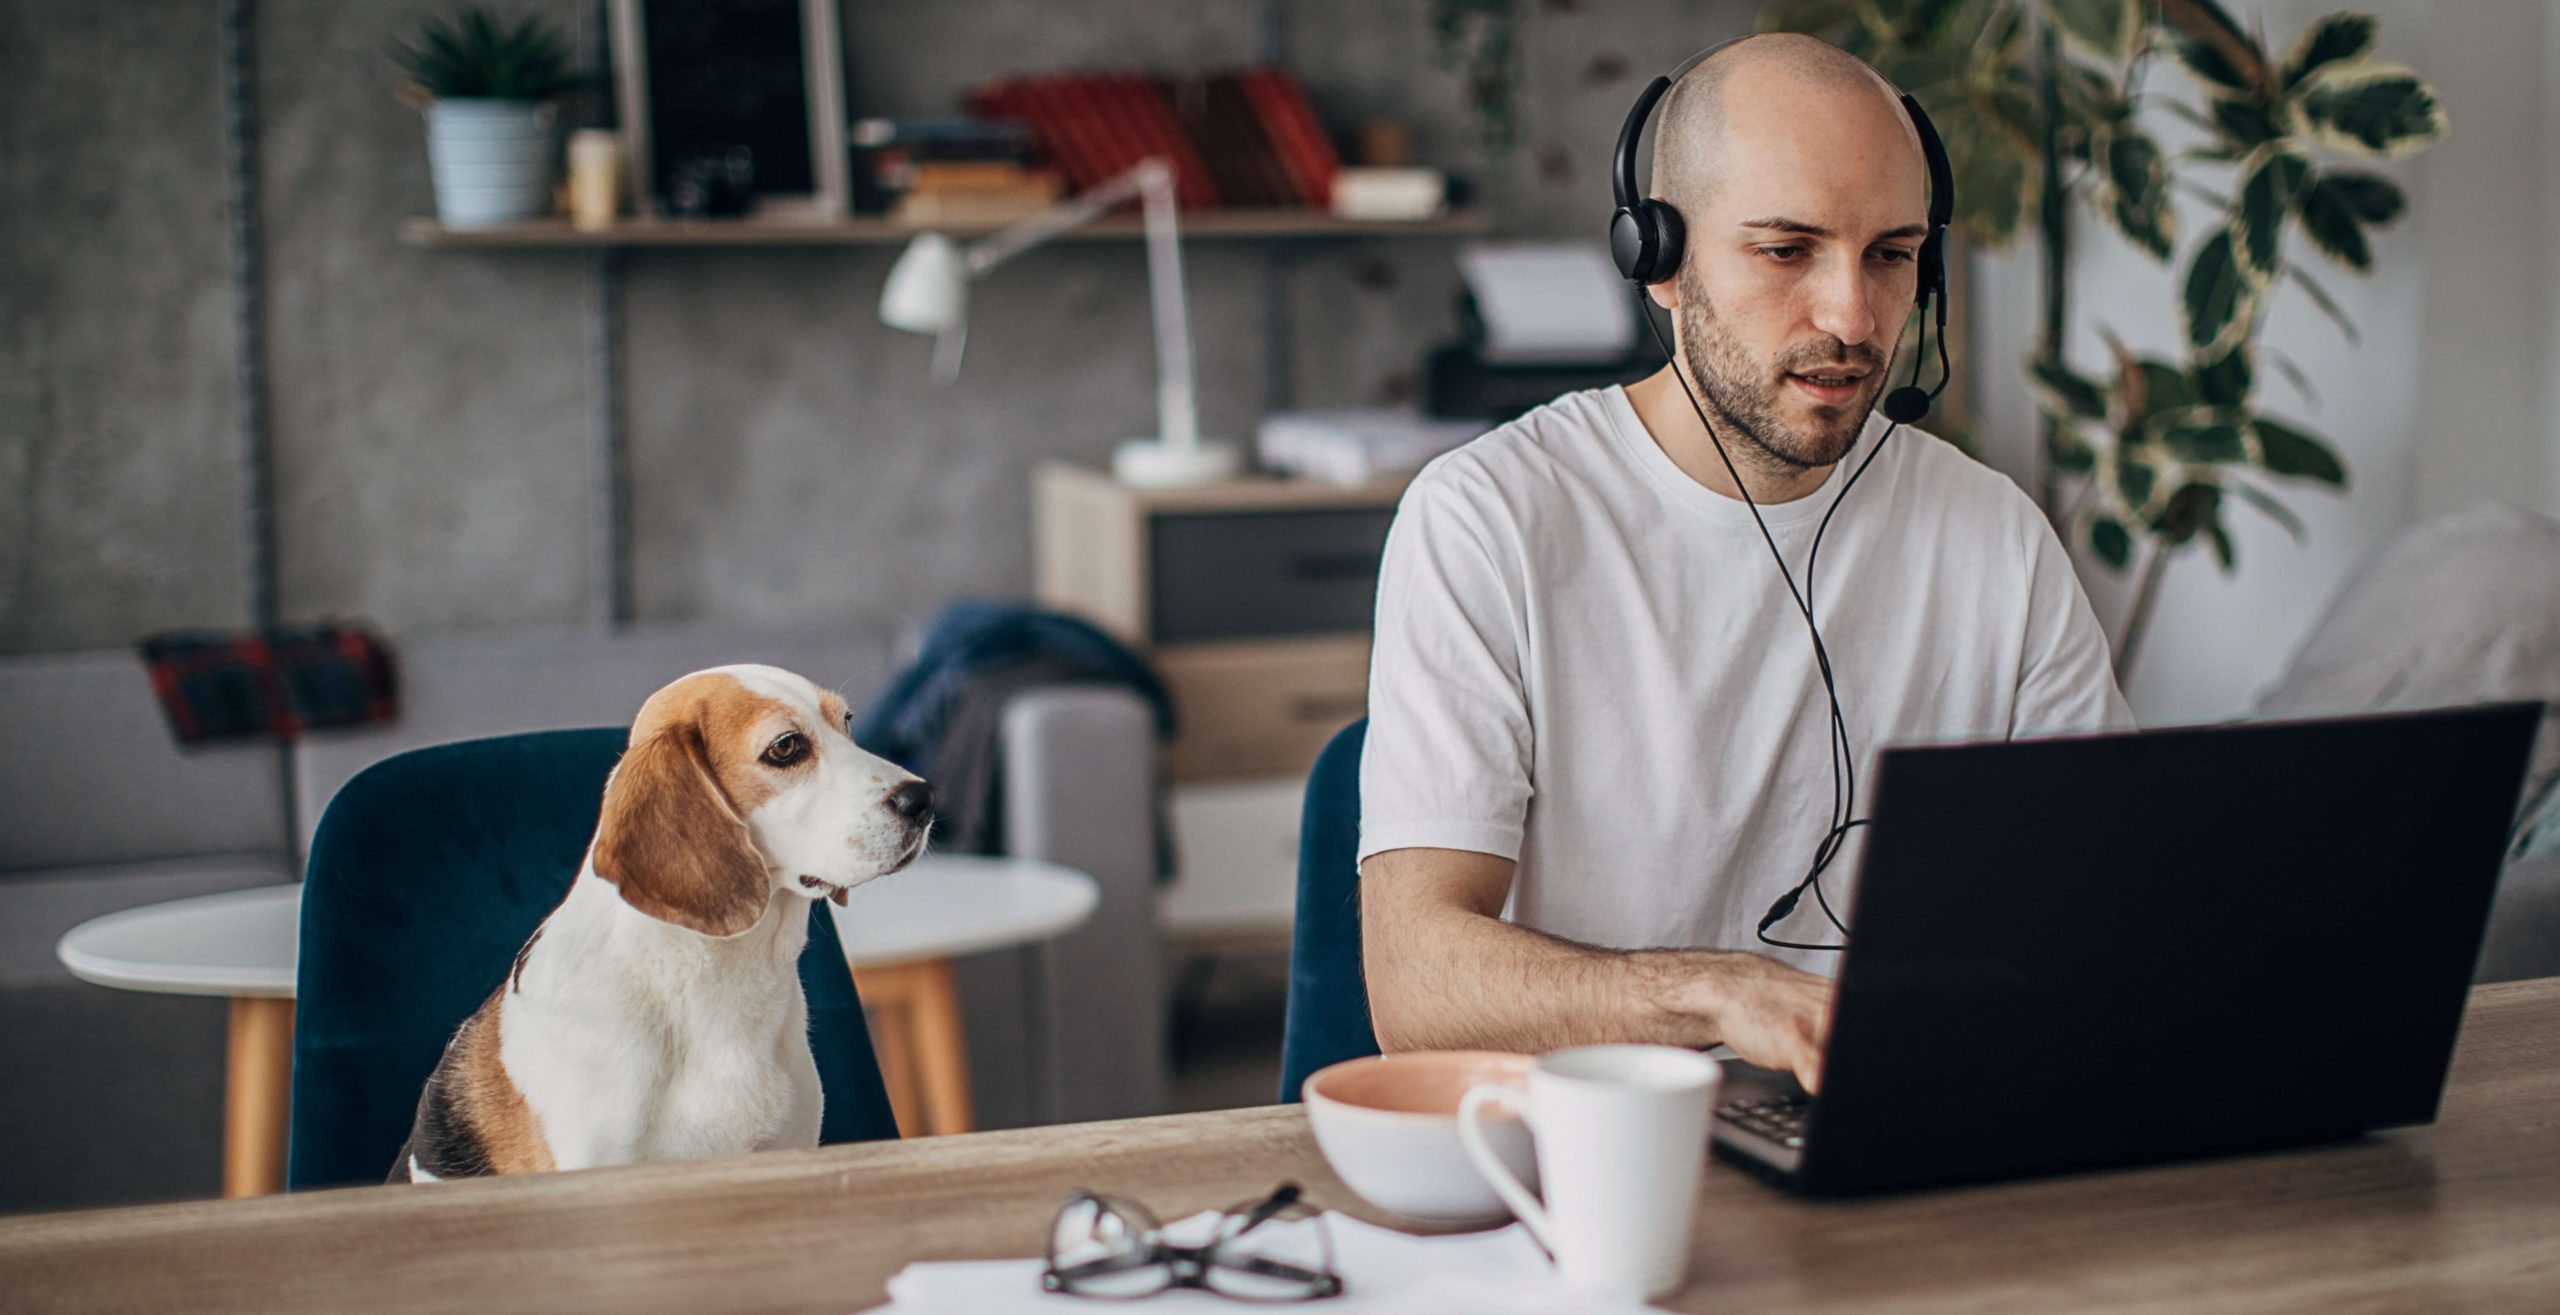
(111, 1095)
(116, 1096)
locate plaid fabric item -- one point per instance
(228, 685)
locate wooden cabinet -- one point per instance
(1253, 597)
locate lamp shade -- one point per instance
(928, 289)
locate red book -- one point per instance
(1063, 116)
(1152, 110)
(1305, 150)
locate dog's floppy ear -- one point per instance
(672, 843)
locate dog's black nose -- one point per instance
(913, 801)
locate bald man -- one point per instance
(1598, 742)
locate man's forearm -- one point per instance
(1449, 979)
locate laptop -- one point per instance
(2109, 950)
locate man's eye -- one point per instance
(1782, 255)
(1894, 256)
(789, 749)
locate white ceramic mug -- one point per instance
(1622, 1136)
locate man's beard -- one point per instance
(1743, 395)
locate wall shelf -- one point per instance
(1201, 225)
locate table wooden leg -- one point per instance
(923, 1049)
(258, 1096)
(942, 1051)
(890, 1003)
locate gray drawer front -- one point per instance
(1248, 575)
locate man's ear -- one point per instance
(671, 842)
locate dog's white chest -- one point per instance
(635, 1059)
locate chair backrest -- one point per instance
(1328, 998)
(94, 775)
(428, 873)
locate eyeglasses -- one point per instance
(1112, 1247)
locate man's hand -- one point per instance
(1772, 1015)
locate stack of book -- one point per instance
(950, 170)
(1242, 138)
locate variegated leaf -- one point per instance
(2369, 108)
(2215, 308)
(2268, 186)
(2333, 40)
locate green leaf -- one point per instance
(2372, 109)
(2217, 300)
(2111, 541)
(2329, 220)
(2104, 28)
(2246, 123)
(2333, 40)
(2225, 380)
(2368, 196)
(2165, 388)
(2068, 453)
(2276, 511)
(2065, 393)
(2223, 552)
(2267, 194)
(2205, 440)
(1998, 176)
(2190, 509)
(2284, 450)
(2210, 65)
(2135, 193)
(2134, 479)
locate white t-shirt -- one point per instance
(1586, 663)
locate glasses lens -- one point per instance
(1103, 1246)
(1286, 1257)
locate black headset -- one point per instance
(1646, 236)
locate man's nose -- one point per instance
(1842, 307)
(914, 801)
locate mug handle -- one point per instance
(1497, 1174)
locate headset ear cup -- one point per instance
(1631, 242)
(1670, 238)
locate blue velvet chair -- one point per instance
(428, 872)
(1328, 998)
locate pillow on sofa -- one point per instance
(2461, 608)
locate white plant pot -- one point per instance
(491, 160)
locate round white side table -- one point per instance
(900, 934)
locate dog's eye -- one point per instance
(790, 749)
(848, 725)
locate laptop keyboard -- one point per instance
(1780, 1119)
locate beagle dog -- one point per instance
(656, 1014)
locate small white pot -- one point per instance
(491, 160)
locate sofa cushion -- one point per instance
(95, 776)
(461, 687)
(2461, 608)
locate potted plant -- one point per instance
(487, 88)
(2040, 102)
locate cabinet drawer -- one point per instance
(1254, 575)
(1262, 709)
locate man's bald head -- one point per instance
(1776, 72)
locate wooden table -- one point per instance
(2463, 1215)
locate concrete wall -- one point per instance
(433, 410)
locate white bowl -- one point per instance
(1388, 1125)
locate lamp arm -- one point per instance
(1151, 181)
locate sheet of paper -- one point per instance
(1385, 1272)
(1549, 302)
